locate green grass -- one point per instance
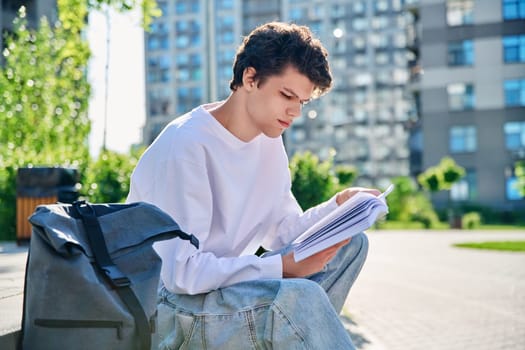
(518, 227)
(514, 246)
(398, 225)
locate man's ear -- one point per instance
(248, 78)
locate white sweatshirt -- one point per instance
(234, 196)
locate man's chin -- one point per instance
(274, 134)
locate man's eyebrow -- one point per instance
(290, 91)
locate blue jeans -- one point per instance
(295, 313)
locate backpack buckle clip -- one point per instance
(116, 277)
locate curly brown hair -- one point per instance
(272, 47)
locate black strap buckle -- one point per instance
(116, 277)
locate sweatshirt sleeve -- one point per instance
(180, 186)
(291, 221)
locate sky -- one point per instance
(126, 100)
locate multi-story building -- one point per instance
(473, 95)
(363, 121)
(189, 54)
(414, 81)
(366, 117)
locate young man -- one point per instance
(222, 173)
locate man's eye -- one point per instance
(289, 97)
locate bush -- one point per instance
(427, 217)
(313, 181)
(399, 201)
(8, 203)
(471, 220)
(108, 179)
(346, 175)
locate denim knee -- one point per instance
(300, 296)
(361, 240)
(307, 316)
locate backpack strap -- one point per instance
(119, 281)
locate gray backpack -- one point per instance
(92, 275)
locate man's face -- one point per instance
(273, 105)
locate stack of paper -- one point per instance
(352, 217)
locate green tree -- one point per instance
(149, 8)
(519, 170)
(313, 181)
(442, 177)
(44, 95)
(108, 179)
(398, 200)
(346, 175)
(407, 204)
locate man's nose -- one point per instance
(295, 109)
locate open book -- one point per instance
(352, 217)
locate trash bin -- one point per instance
(42, 185)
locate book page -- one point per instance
(352, 217)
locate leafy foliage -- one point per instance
(442, 176)
(45, 95)
(312, 180)
(520, 175)
(471, 220)
(407, 204)
(149, 8)
(346, 174)
(108, 178)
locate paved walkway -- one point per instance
(12, 267)
(416, 291)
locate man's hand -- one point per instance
(348, 193)
(310, 265)
(316, 262)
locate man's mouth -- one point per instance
(284, 124)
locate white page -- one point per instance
(355, 220)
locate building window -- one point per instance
(182, 41)
(188, 98)
(226, 38)
(160, 102)
(466, 188)
(158, 69)
(155, 131)
(381, 6)
(461, 53)
(338, 10)
(224, 4)
(359, 7)
(514, 135)
(163, 7)
(360, 24)
(513, 9)
(196, 74)
(514, 92)
(158, 37)
(462, 139)
(512, 189)
(460, 97)
(186, 6)
(297, 14)
(460, 12)
(514, 48)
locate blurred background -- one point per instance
(428, 94)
